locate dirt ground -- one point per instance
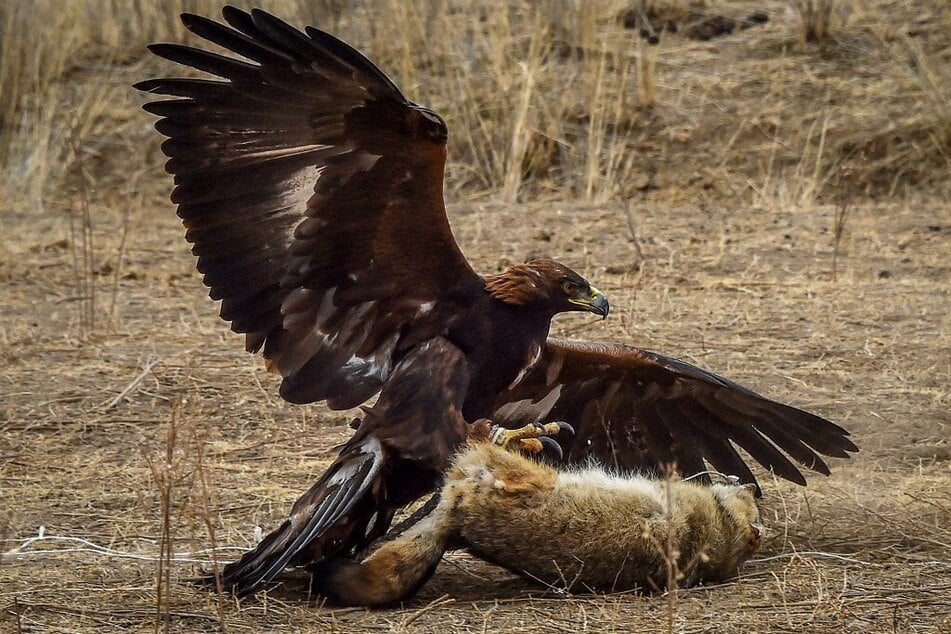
(746, 292)
(132, 423)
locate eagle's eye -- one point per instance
(570, 288)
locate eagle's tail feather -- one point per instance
(330, 518)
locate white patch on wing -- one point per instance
(519, 377)
(359, 162)
(284, 151)
(535, 355)
(377, 366)
(326, 308)
(299, 187)
(371, 446)
(526, 410)
(297, 300)
(425, 308)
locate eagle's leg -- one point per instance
(533, 438)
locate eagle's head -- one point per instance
(546, 283)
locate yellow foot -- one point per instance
(532, 439)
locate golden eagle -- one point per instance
(311, 190)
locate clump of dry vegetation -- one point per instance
(764, 202)
(815, 19)
(551, 98)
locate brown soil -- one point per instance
(122, 394)
(747, 292)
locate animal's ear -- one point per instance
(749, 486)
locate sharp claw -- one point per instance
(551, 445)
(534, 437)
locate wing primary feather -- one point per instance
(241, 20)
(718, 451)
(235, 118)
(792, 445)
(689, 444)
(329, 512)
(202, 89)
(357, 60)
(207, 61)
(742, 412)
(822, 435)
(330, 52)
(284, 34)
(234, 40)
(749, 439)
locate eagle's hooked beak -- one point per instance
(599, 303)
(596, 302)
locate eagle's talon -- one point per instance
(554, 428)
(532, 438)
(551, 445)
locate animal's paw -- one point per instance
(534, 438)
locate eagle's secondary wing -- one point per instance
(311, 189)
(637, 409)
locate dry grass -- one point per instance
(549, 98)
(860, 551)
(815, 19)
(792, 231)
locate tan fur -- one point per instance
(582, 529)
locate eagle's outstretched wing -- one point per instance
(311, 189)
(636, 409)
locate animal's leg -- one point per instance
(395, 570)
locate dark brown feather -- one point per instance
(307, 168)
(653, 410)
